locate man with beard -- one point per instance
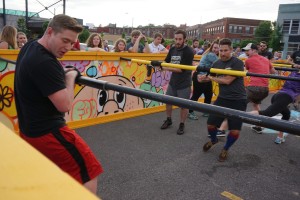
(263, 51)
(181, 80)
(232, 94)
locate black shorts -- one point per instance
(233, 124)
(256, 94)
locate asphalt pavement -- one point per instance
(142, 162)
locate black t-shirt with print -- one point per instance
(236, 89)
(38, 74)
(183, 56)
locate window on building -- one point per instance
(292, 47)
(235, 29)
(247, 29)
(286, 26)
(230, 29)
(235, 40)
(295, 27)
(240, 29)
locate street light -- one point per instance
(132, 19)
(56, 8)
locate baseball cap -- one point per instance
(250, 46)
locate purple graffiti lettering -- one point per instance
(80, 65)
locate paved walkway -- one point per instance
(143, 162)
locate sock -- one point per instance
(231, 138)
(213, 134)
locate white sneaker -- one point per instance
(280, 140)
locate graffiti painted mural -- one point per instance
(8, 113)
(91, 103)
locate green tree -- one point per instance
(275, 38)
(263, 31)
(168, 41)
(21, 26)
(84, 35)
(245, 42)
(189, 42)
(45, 25)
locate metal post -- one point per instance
(26, 14)
(4, 14)
(64, 6)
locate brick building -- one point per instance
(236, 29)
(194, 32)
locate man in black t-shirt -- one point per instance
(44, 91)
(232, 94)
(263, 51)
(181, 80)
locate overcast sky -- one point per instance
(157, 12)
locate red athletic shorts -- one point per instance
(67, 150)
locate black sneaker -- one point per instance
(220, 133)
(166, 124)
(257, 129)
(180, 130)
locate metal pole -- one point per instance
(4, 14)
(26, 13)
(258, 120)
(64, 7)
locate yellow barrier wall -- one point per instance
(89, 103)
(26, 174)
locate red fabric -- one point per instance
(76, 46)
(57, 153)
(260, 65)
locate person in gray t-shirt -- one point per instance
(181, 80)
(232, 94)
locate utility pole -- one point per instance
(26, 13)
(4, 14)
(64, 7)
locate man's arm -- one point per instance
(223, 79)
(63, 99)
(272, 69)
(164, 50)
(146, 48)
